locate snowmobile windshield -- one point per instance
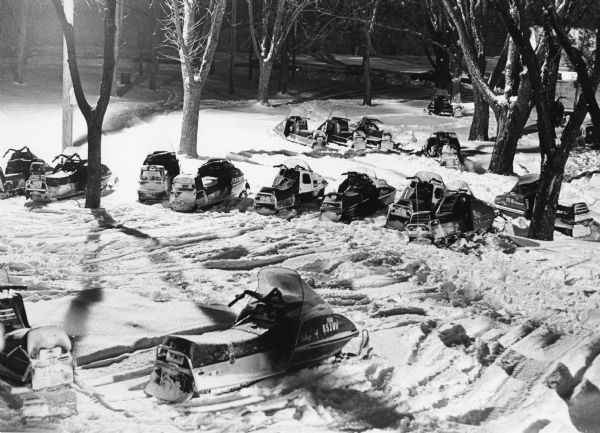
(300, 299)
(151, 175)
(286, 178)
(295, 162)
(366, 171)
(418, 191)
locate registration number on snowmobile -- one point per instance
(330, 326)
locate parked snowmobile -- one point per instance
(295, 129)
(445, 146)
(592, 136)
(295, 182)
(215, 181)
(414, 209)
(370, 126)
(284, 326)
(157, 174)
(18, 169)
(440, 106)
(359, 194)
(459, 212)
(574, 220)
(337, 130)
(39, 357)
(68, 179)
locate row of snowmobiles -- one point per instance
(366, 133)
(360, 135)
(285, 325)
(26, 174)
(427, 208)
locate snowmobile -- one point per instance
(284, 326)
(440, 106)
(337, 130)
(295, 129)
(445, 146)
(215, 181)
(359, 194)
(295, 182)
(370, 126)
(459, 212)
(38, 357)
(157, 174)
(592, 136)
(18, 169)
(69, 178)
(573, 220)
(413, 211)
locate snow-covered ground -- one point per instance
(480, 337)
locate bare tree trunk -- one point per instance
(481, 118)
(284, 67)
(294, 35)
(22, 39)
(119, 27)
(366, 69)
(189, 123)
(263, 81)
(455, 91)
(232, 46)
(94, 116)
(94, 172)
(141, 42)
(250, 63)
(155, 40)
(67, 86)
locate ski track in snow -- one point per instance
(461, 341)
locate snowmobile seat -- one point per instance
(279, 193)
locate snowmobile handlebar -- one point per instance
(67, 157)
(266, 299)
(16, 150)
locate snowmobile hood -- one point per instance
(293, 289)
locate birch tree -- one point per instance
(94, 116)
(194, 28)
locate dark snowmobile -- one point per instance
(370, 126)
(592, 136)
(458, 213)
(361, 193)
(444, 146)
(157, 174)
(295, 129)
(574, 220)
(284, 326)
(39, 357)
(337, 130)
(295, 183)
(414, 209)
(440, 106)
(69, 178)
(18, 169)
(215, 181)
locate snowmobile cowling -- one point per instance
(285, 325)
(39, 357)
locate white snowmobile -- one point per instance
(39, 357)
(295, 129)
(69, 178)
(215, 181)
(295, 182)
(284, 326)
(157, 174)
